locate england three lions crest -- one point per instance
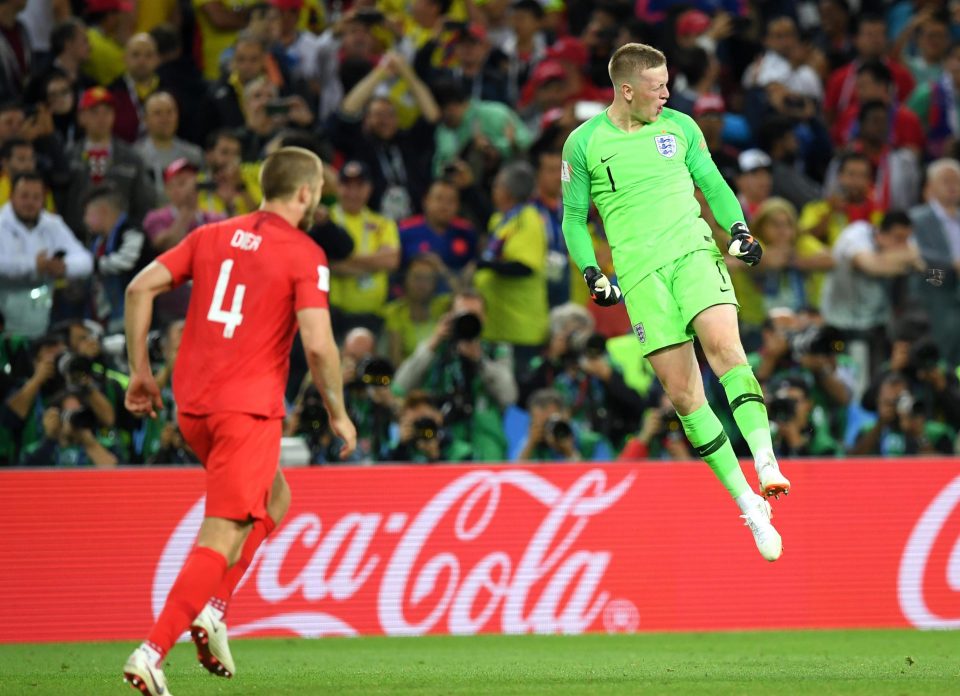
(666, 145)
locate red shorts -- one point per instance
(241, 453)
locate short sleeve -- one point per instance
(574, 176)
(311, 283)
(179, 259)
(528, 243)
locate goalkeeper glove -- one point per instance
(602, 291)
(743, 245)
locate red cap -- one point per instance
(178, 165)
(709, 104)
(692, 23)
(94, 97)
(109, 6)
(545, 71)
(474, 31)
(287, 4)
(570, 50)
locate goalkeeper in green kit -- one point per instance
(639, 163)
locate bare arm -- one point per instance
(356, 99)
(421, 93)
(889, 263)
(822, 261)
(170, 236)
(323, 358)
(101, 457)
(383, 259)
(138, 311)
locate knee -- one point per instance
(686, 398)
(724, 356)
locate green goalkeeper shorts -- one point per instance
(662, 305)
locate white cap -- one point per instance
(753, 159)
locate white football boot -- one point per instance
(209, 634)
(144, 673)
(757, 516)
(772, 482)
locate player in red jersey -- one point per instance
(255, 278)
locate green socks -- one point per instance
(746, 402)
(705, 433)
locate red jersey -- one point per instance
(251, 274)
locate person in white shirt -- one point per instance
(36, 249)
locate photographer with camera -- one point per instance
(422, 438)
(372, 407)
(552, 435)
(661, 436)
(472, 377)
(22, 413)
(902, 426)
(309, 420)
(69, 438)
(576, 364)
(799, 428)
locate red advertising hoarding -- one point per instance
(90, 555)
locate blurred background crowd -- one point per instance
(465, 333)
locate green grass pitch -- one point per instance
(800, 662)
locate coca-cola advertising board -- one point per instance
(400, 550)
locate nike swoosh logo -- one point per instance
(603, 160)
(725, 289)
(156, 687)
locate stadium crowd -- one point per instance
(466, 333)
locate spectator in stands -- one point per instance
(359, 286)
(930, 34)
(300, 45)
(901, 426)
(448, 241)
(160, 146)
(16, 50)
(754, 180)
(17, 156)
(937, 231)
(832, 36)
(265, 115)
(708, 112)
(101, 158)
(181, 77)
(472, 378)
(414, 316)
(512, 271)
(70, 48)
(897, 169)
(526, 45)
(372, 407)
(422, 437)
(779, 139)
(792, 274)
(61, 100)
(21, 415)
(119, 251)
(870, 43)
(552, 436)
(36, 249)
(576, 364)
(849, 200)
(481, 70)
(70, 438)
(545, 92)
(492, 130)
(874, 82)
(800, 428)
(778, 64)
(934, 101)
(546, 198)
(661, 436)
(109, 25)
(248, 63)
(366, 128)
(235, 184)
(172, 448)
(219, 23)
(857, 293)
(131, 90)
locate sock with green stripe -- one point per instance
(706, 434)
(750, 412)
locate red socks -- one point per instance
(258, 532)
(198, 579)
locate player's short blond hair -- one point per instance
(286, 170)
(631, 59)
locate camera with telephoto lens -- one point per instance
(816, 340)
(314, 426)
(75, 369)
(924, 356)
(670, 426)
(374, 371)
(581, 344)
(782, 409)
(79, 419)
(466, 327)
(558, 428)
(426, 428)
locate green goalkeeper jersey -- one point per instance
(643, 185)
